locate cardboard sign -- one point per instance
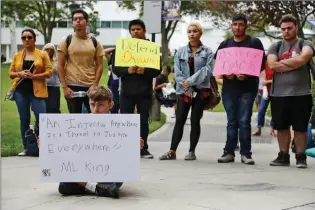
(137, 52)
(238, 60)
(90, 147)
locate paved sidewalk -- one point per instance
(178, 185)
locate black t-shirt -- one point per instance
(250, 84)
(160, 80)
(26, 86)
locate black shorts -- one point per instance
(292, 111)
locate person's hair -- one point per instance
(31, 31)
(100, 93)
(54, 59)
(86, 16)
(240, 17)
(167, 68)
(197, 25)
(288, 18)
(137, 22)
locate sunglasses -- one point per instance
(26, 37)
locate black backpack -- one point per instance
(310, 64)
(69, 38)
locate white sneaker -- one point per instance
(22, 153)
(247, 160)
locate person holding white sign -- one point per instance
(239, 90)
(100, 100)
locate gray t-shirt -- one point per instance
(292, 83)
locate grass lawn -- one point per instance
(11, 142)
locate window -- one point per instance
(116, 24)
(19, 24)
(62, 24)
(105, 24)
(126, 24)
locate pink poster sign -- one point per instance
(238, 60)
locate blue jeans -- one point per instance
(262, 112)
(239, 110)
(24, 102)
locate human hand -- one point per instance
(140, 70)
(28, 75)
(189, 94)
(141, 143)
(185, 84)
(67, 92)
(241, 76)
(132, 69)
(231, 76)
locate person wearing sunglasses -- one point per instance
(29, 69)
(53, 83)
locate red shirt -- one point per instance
(269, 75)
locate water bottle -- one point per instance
(79, 94)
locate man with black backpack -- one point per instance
(291, 96)
(80, 63)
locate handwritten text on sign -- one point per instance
(238, 60)
(137, 52)
(90, 147)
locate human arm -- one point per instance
(48, 68)
(203, 73)
(62, 49)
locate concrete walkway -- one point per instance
(178, 185)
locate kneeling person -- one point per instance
(100, 100)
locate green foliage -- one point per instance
(41, 14)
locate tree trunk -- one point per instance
(13, 47)
(164, 50)
(156, 110)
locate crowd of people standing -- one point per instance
(38, 76)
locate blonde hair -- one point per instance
(100, 93)
(197, 25)
(54, 59)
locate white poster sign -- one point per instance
(152, 16)
(90, 147)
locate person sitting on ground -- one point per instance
(160, 82)
(100, 100)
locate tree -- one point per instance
(40, 14)
(263, 14)
(168, 27)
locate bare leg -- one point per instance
(300, 141)
(257, 132)
(284, 139)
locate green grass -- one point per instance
(11, 142)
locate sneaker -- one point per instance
(300, 160)
(247, 160)
(226, 158)
(107, 190)
(168, 156)
(22, 153)
(70, 188)
(283, 159)
(146, 154)
(190, 156)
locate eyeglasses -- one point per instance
(78, 18)
(26, 37)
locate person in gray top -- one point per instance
(291, 98)
(53, 83)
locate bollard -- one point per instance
(155, 109)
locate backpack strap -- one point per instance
(69, 38)
(94, 41)
(279, 43)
